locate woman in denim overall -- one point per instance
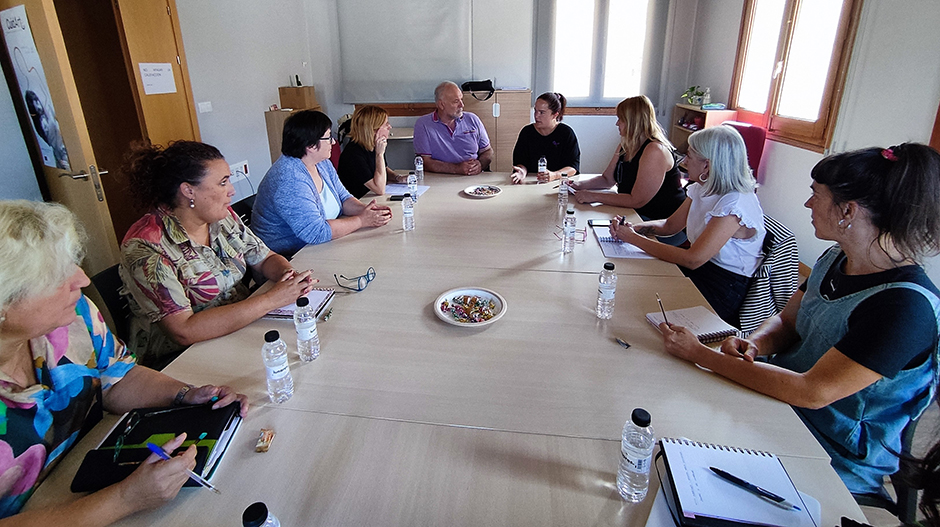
(856, 349)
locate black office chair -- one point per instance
(905, 507)
(108, 283)
(243, 209)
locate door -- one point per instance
(80, 188)
(151, 35)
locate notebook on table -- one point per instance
(614, 248)
(319, 297)
(210, 430)
(700, 498)
(707, 326)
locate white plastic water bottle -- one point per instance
(636, 456)
(257, 515)
(563, 190)
(543, 165)
(567, 238)
(419, 169)
(407, 213)
(413, 186)
(606, 290)
(274, 354)
(305, 322)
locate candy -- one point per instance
(469, 309)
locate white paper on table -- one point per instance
(400, 189)
(614, 248)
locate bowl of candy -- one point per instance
(470, 307)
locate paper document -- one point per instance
(614, 248)
(400, 189)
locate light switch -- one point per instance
(205, 107)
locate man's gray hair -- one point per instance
(441, 88)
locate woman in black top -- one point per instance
(362, 164)
(644, 167)
(546, 137)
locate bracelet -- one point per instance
(178, 400)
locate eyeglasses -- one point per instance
(331, 138)
(119, 444)
(361, 281)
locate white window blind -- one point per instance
(399, 51)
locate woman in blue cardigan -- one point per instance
(301, 200)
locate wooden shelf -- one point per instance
(701, 119)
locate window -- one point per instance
(791, 64)
(598, 52)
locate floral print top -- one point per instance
(164, 272)
(40, 424)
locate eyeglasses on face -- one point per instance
(331, 138)
(132, 421)
(361, 282)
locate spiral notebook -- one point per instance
(614, 248)
(702, 499)
(320, 298)
(707, 326)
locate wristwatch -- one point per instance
(178, 400)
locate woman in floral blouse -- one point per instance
(59, 365)
(190, 252)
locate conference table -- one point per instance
(407, 420)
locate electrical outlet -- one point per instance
(239, 171)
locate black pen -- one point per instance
(779, 501)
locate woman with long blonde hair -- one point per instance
(362, 164)
(644, 167)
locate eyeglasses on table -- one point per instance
(361, 282)
(132, 421)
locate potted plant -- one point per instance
(693, 95)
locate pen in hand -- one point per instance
(195, 477)
(660, 300)
(779, 501)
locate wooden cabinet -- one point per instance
(503, 115)
(293, 98)
(687, 119)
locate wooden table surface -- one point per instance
(406, 420)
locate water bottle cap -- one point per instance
(271, 336)
(570, 208)
(255, 515)
(303, 301)
(640, 417)
(570, 211)
(609, 266)
(407, 194)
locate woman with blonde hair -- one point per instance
(362, 164)
(58, 360)
(644, 166)
(723, 218)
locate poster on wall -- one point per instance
(33, 87)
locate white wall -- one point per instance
(717, 25)
(17, 178)
(239, 52)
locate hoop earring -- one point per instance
(192, 203)
(703, 177)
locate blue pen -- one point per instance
(195, 477)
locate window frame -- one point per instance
(816, 135)
(595, 103)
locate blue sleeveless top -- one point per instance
(861, 432)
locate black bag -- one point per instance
(475, 86)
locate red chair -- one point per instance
(754, 137)
(334, 155)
